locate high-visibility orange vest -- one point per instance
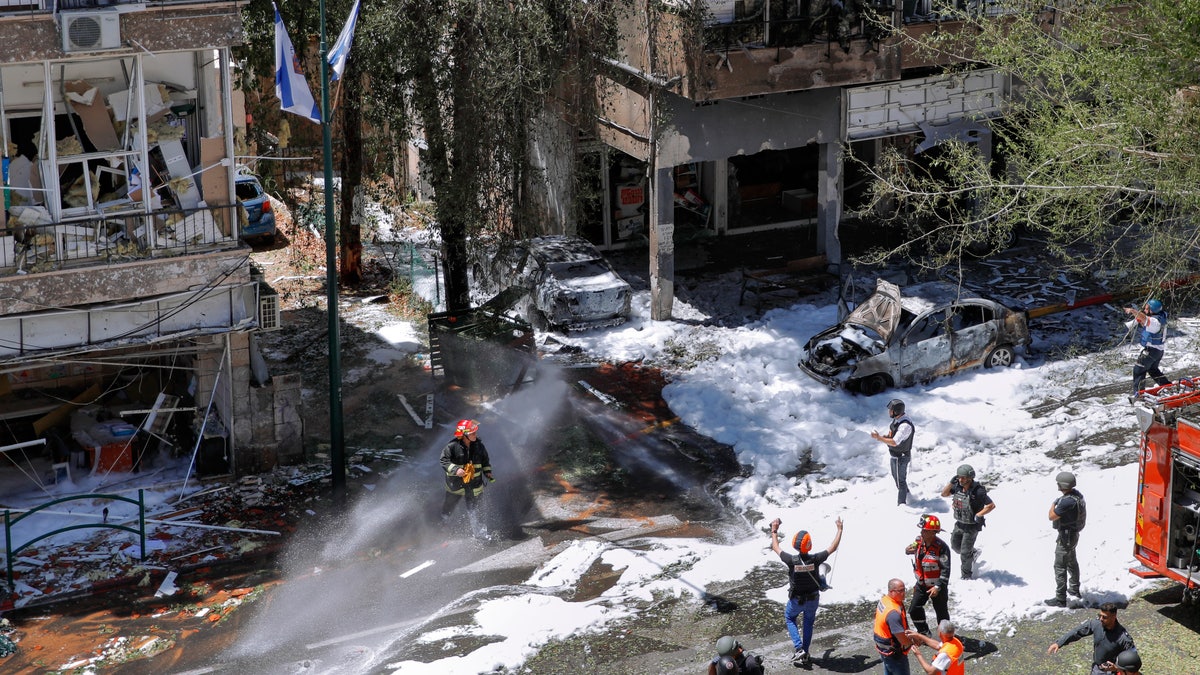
(954, 649)
(885, 642)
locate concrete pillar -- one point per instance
(720, 193)
(829, 201)
(662, 244)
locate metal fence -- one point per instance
(10, 552)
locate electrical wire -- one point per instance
(195, 297)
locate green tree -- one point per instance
(469, 77)
(1099, 143)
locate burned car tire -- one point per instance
(873, 384)
(1000, 357)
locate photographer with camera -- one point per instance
(1151, 323)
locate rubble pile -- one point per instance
(219, 523)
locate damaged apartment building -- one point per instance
(128, 305)
(726, 117)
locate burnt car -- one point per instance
(555, 282)
(896, 339)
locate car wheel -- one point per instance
(874, 384)
(1000, 357)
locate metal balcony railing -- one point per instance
(113, 238)
(793, 24)
(796, 24)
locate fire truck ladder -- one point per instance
(1178, 394)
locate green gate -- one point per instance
(9, 522)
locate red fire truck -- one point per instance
(1166, 538)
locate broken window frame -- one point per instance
(218, 228)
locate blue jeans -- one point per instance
(896, 664)
(795, 607)
(900, 475)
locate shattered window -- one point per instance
(966, 316)
(927, 327)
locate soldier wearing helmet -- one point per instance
(1151, 323)
(731, 659)
(1068, 514)
(931, 565)
(899, 440)
(466, 464)
(970, 503)
(805, 584)
(1129, 661)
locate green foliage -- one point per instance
(467, 77)
(1099, 141)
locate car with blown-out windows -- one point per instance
(553, 282)
(900, 338)
(260, 217)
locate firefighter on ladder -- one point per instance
(466, 464)
(931, 565)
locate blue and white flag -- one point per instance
(340, 53)
(290, 85)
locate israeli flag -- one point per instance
(340, 53)
(290, 85)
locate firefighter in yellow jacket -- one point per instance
(465, 463)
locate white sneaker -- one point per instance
(799, 658)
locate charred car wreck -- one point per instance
(554, 282)
(898, 340)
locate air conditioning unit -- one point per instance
(268, 309)
(91, 30)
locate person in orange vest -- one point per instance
(949, 657)
(931, 565)
(891, 626)
(465, 463)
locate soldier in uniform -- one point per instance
(1068, 514)
(970, 502)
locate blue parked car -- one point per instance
(260, 218)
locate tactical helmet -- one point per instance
(1154, 305)
(931, 523)
(726, 645)
(1129, 660)
(802, 541)
(896, 407)
(726, 666)
(465, 427)
(1065, 480)
(966, 470)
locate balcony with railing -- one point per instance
(32, 244)
(734, 48)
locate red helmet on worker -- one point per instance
(931, 523)
(465, 427)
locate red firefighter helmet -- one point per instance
(931, 523)
(465, 427)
